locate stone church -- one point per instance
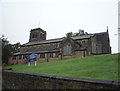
(61, 48)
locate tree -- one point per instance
(16, 47)
(6, 50)
(80, 33)
(69, 34)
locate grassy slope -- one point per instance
(98, 67)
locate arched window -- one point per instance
(67, 49)
(32, 35)
(35, 35)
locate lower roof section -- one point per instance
(37, 52)
(57, 40)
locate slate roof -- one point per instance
(43, 42)
(82, 37)
(56, 40)
(21, 53)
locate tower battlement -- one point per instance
(37, 34)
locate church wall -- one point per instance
(11, 61)
(48, 56)
(80, 54)
(76, 54)
(22, 60)
(103, 44)
(40, 60)
(91, 46)
(86, 43)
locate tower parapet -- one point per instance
(37, 34)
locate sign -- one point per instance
(32, 57)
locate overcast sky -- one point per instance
(58, 17)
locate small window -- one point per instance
(35, 35)
(42, 55)
(51, 55)
(55, 55)
(40, 35)
(24, 56)
(108, 40)
(20, 56)
(32, 35)
(14, 57)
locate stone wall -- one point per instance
(76, 54)
(17, 80)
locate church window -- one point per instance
(24, 56)
(42, 55)
(55, 55)
(32, 35)
(67, 49)
(20, 56)
(14, 57)
(51, 55)
(36, 35)
(108, 40)
(41, 35)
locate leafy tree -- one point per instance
(16, 47)
(80, 33)
(6, 50)
(70, 34)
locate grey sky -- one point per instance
(58, 17)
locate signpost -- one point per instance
(32, 58)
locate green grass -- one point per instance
(98, 67)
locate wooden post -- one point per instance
(28, 63)
(35, 63)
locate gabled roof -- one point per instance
(22, 53)
(82, 37)
(100, 33)
(43, 42)
(56, 40)
(61, 39)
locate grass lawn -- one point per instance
(98, 67)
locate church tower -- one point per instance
(37, 34)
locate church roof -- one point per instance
(43, 42)
(56, 40)
(61, 39)
(82, 37)
(30, 52)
